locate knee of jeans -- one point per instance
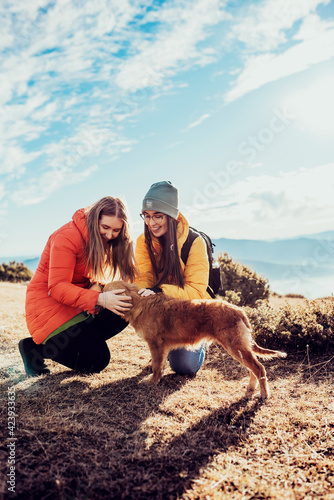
(102, 362)
(186, 362)
(96, 362)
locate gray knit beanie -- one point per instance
(162, 197)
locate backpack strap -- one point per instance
(192, 235)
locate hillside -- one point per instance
(109, 436)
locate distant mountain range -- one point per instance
(303, 265)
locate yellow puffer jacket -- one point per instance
(195, 273)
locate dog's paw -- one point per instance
(148, 367)
(249, 393)
(149, 381)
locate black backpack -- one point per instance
(215, 284)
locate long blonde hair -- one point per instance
(104, 260)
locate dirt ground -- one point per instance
(110, 436)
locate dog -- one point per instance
(166, 323)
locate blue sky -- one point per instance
(230, 100)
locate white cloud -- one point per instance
(173, 145)
(74, 72)
(14, 159)
(63, 43)
(47, 112)
(264, 27)
(50, 49)
(39, 189)
(311, 27)
(63, 67)
(298, 202)
(3, 210)
(60, 56)
(16, 81)
(199, 121)
(265, 68)
(264, 31)
(63, 162)
(27, 9)
(176, 43)
(21, 120)
(313, 106)
(89, 141)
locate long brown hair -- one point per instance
(169, 264)
(105, 259)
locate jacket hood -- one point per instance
(80, 220)
(182, 230)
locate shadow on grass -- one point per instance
(78, 441)
(230, 369)
(171, 470)
(81, 437)
(218, 359)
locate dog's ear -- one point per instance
(130, 288)
(113, 285)
(120, 284)
(127, 286)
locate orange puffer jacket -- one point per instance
(58, 290)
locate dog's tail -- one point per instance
(260, 351)
(267, 353)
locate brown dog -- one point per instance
(166, 323)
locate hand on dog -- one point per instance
(118, 304)
(145, 292)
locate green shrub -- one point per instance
(295, 328)
(232, 297)
(14, 272)
(240, 284)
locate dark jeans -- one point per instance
(83, 347)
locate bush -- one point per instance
(295, 328)
(241, 286)
(14, 272)
(294, 296)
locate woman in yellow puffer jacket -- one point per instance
(160, 267)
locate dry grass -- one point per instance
(277, 301)
(108, 436)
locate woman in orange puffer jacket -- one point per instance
(64, 297)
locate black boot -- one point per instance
(32, 355)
